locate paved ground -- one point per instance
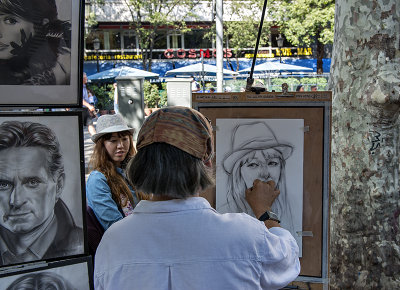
(88, 148)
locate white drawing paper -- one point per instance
(267, 149)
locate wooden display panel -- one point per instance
(315, 169)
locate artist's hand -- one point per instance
(261, 196)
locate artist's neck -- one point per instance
(164, 197)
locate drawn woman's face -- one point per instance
(261, 167)
(13, 30)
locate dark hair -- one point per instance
(162, 169)
(40, 281)
(298, 88)
(29, 134)
(31, 10)
(101, 161)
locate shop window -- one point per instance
(195, 39)
(92, 36)
(114, 40)
(129, 40)
(160, 41)
(174, 40)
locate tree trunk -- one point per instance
(320, 56)
(365, 207)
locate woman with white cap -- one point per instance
(108, 192)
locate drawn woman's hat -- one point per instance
(253, 136)
(110, 124)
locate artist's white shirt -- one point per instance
(186, 244)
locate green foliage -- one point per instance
(163, 95)
(320, 82)
(157, 14)
(301, 21)
(105, 96)
(154, 97)
(241, 30)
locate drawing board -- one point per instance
(311, 108)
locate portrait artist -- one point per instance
(34, 44)
(35, 223)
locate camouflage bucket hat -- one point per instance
(181, 127)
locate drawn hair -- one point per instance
(41, 281)
(236, 192)
(101, 161)
(29, 134)
(237, 186)
(162, 169)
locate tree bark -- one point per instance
(320, 55)
(365, 208)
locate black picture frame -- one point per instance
(52, 77)
(68, 238)
(74, 273)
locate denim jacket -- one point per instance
(98, 195)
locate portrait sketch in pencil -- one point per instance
(36, 182)
(40, 52)
(265, 149)
(35, 44)
(65, 277)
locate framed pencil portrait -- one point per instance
(71, 274)
(40, 53)
(42, 202)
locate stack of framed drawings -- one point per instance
(42, 185)
(283, 137)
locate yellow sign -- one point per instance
(259, 55)
(304, 51)
(284, 52)
(114, 57)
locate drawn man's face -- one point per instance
(27, 192)
(13, 30)
(261, 168)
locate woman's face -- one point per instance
(13, 30)
(117, 147)
(260, 167)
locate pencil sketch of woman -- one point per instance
(256, 154)
(34, 44)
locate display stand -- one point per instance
(43, 235)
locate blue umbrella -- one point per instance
(276, 67)
(121, 71)
(197, 69)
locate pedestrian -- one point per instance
(88, 109)
(176, 240)
(116, 103)
(314, 88)
(109, 195)
(300, 88)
